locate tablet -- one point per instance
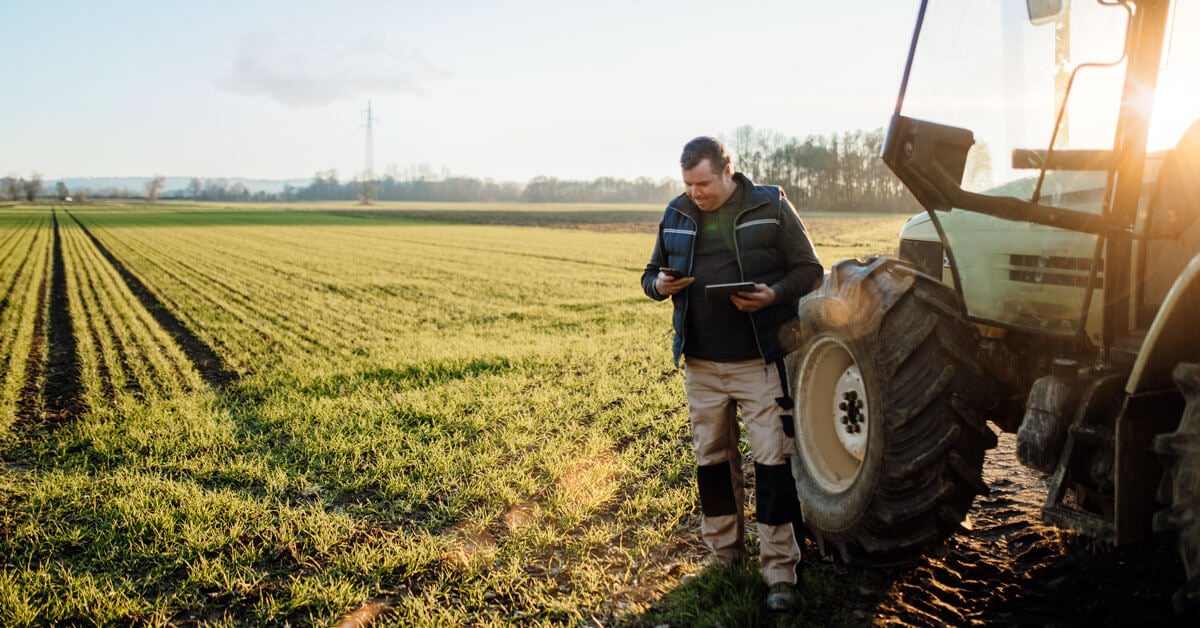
(722, 291)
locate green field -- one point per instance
(417, 414)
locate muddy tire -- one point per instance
(1180, 454)
(890, 438)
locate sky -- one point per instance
(505, 90)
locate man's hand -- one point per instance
(753, 301)
(667, 285)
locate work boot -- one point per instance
(782, 597)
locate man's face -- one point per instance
(708, 189)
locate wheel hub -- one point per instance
(850, 410)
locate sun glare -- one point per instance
(1177, 104)
(1176, 108)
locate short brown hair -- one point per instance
(701, 148)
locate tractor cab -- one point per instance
(1034, 134)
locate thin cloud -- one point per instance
(309, 72)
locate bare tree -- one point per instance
(368, 190)
(33, 187)
(61, 191)
(11, 187)
(238, 191)
(216, 189)
(195, 187)
(154, 187)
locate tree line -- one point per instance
(823, 172)
(325, 186)
(14, 188)
(838, 172)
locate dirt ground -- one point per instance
(1014, 570)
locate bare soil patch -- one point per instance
(1012, 569)
(61, 391)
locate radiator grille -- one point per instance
(1052, 270)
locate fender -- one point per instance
(854, 293)
(1173, 336)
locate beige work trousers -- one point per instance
(715, 393)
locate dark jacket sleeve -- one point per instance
(657, 260)
(803, 267)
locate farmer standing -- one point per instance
(726, 229)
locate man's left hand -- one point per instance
(754, 301)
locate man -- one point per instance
(726, 229)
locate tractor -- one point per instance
(1050, 288)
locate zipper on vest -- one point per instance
(737, 254)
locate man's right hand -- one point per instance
(667, 286)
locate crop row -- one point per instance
(25, 239)
(109, 350)
(123, 354)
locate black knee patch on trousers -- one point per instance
(715, 482)
(776, 494)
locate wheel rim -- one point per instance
(832, 420)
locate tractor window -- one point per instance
(983, 66)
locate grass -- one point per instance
(429, 422)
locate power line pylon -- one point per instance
(370, 148)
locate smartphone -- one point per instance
(673, 273)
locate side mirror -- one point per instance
(1044, 11)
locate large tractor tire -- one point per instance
(1180, 453)
(890, 434)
